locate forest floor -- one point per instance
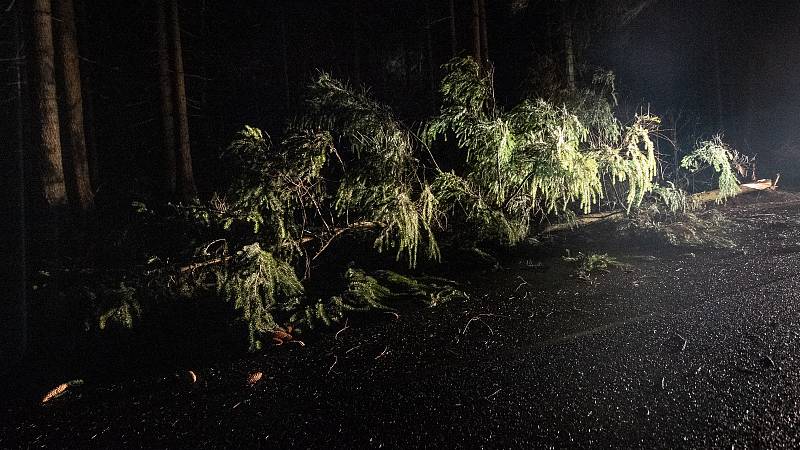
(681, 347)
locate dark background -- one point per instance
(705, 67)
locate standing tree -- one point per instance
(166, 103)
(476, 31)
(178, 176)
(569, 47)
(184, 174)
(46, 126)
(87, 84)
(484, 33)
(77, 171)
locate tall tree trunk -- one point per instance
(476, 31)
(453, 37)
(185, 176)
(88, 96)
(569, 47)
(484, 34)
(168, 164)
(77, 164)
(46, 125)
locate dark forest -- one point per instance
(214, 200)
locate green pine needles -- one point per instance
(720, 158)
(538, 158)
(259, 286)
(349, 165)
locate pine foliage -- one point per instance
(539, 157)
(381, 181)
(259, 286)
(720, 158)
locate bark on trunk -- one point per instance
(88, 97)
(77, 164)
(45, 108)
(185, 176)
(476, 31)
(569, 49)
(169, 151)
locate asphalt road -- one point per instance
(684, 348)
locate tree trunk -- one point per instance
(476, 31)
(168, 165)
(46, 125)
(185, 176)
(88, 97)
(77, 164)
(453, 40)
(569, 48)
(484, 34)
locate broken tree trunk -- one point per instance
(699, 198)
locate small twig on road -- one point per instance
(348, 351)
(478, 318)
(489, 397)
(335, 360)
(524, 283)
(663, 383)
(685, 341)
(383, 353)
(336, 336)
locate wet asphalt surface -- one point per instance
(684, 348)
